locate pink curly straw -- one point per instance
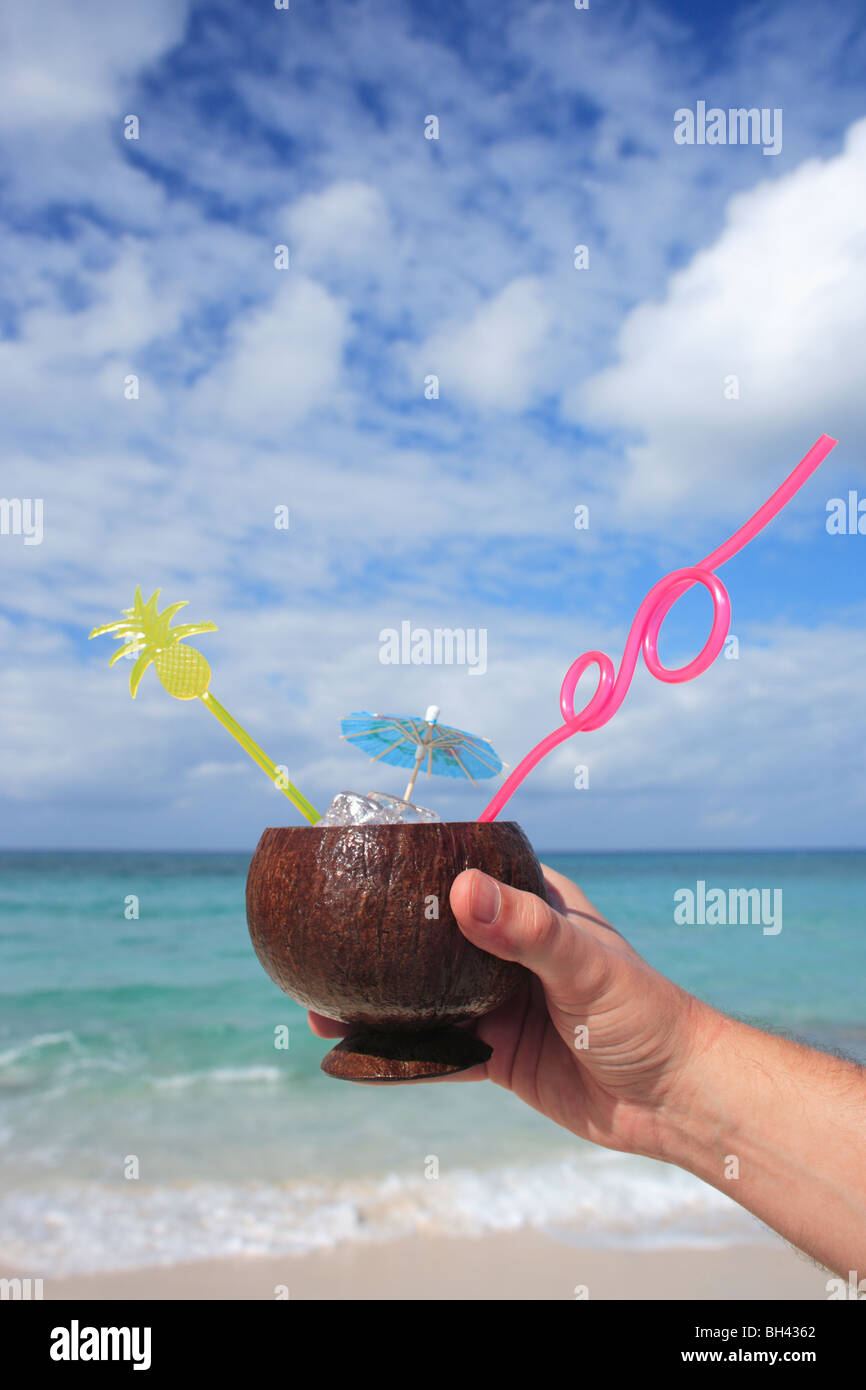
(611, 691)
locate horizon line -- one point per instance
(726, 849)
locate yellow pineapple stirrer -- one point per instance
(185, 674)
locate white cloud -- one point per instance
(779, 301)
(492, 360)
(285, 359)
(125, 314)
(63, 64)
(215, 769)
(75, 361)
(345, 225)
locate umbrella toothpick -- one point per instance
(411, 741)
(425, 746)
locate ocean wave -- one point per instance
(607, 1201)
(36, 1044)
(219, 1076)
(53, 1066)
(71, 1066)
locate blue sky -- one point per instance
(304, 387)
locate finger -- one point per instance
(564, 894)
(327, 1027)
(324, 1027)
(569, 899)
(570, 962)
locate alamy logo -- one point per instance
(439, 646)
(77, 1343)
(717, 908)
(846, 518)
(739, 125)
(854, 1289)
(20, 1289)
(22, 516)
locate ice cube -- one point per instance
(348, 808)
(377, 808)
(403, 811)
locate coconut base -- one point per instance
(370, 1054)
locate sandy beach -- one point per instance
(515, 1266)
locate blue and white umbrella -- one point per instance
(408, 742)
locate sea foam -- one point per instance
(605, 1201)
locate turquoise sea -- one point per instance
(147, 1117)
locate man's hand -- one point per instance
(609, 1048)
(598, 1040)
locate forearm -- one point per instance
(779, 1127)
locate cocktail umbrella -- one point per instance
(409, 741)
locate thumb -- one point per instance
(513, 925)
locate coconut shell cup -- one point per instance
(354, 921)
